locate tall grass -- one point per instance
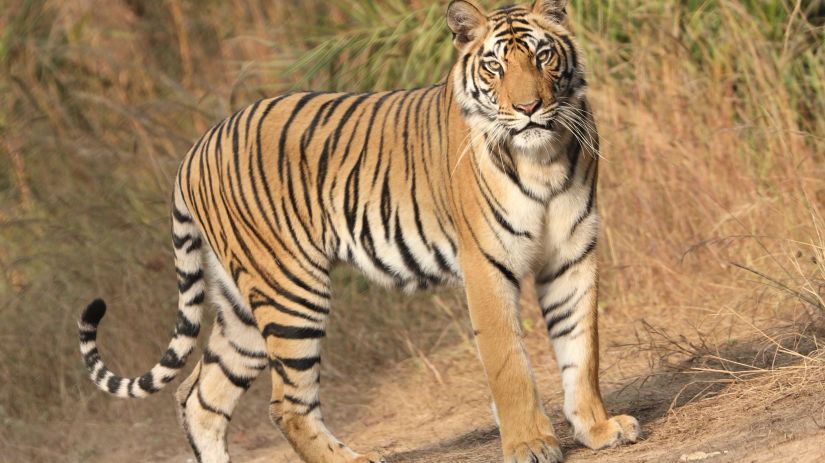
(710, 113)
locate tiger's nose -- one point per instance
(528, 108)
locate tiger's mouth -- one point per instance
(548, 126)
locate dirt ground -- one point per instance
(755, 399)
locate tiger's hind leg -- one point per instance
(233, 358)
(292, 317)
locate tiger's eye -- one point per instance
(543, 56)
(493, 66)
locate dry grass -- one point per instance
(712, 191)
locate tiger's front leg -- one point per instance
(567, 290)
(526, 432)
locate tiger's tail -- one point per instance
(187, 240)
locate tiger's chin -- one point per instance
(537, 142)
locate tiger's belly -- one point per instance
(395, 248)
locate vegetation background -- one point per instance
(712, 189)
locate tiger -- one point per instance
(486, 180)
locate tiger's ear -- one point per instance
(467, 22)
(554, 10)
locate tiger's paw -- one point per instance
(341, 454)
(368, 458)
(542, 450)
(622, 429)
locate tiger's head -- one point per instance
(519, 74)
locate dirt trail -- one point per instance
(788, 429)
(437, 409)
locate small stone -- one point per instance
(698, 456)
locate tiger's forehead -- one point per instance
(511, 29)
(509, 13)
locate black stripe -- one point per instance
(300, 364)
(556, 305)
(505, 224)
(501, 268)
(294, 236)
(258, 149)
(239, 311)
(419, 226)
(299, 215)
(292, 332)
(180, 241)
(307, 138)
(191, 441)
(442, 261)
(205, 171)
(88, 336)
(571, 50)
(510, 171)
(171, 360)
(368, 244)
(568, 265)
(409, 260)
(508, 274)
(196, 244)
(494, 205)
(303, 302)
(276, 365)
(197, 299)
(385, 120)
(299, 282)
(555, 320)
(147, 383)
(240, 197)
(101, 373)
(91, 358)
(564, 332)
(269, 302)
(386, 205)
(210, 408)
(238, 381)
(248, 353)
(329, 107)
(336, 134)
(573, 156)
(299, 105)
(334, 106)
(187, 280)
(558, 318)
(113, 384)
(310, 406)
(184, 327)
(179, 216)
(591, 202)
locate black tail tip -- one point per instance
(94, 312)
